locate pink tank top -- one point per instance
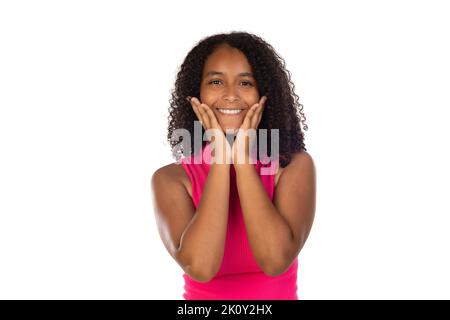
(239, 277)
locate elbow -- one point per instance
(274, 270)
(275, 267)
(198, 271)
(280, 262)
(200, 274)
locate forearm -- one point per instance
(203, 241)
(267, 230)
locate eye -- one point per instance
(214, 82)
(246, 83)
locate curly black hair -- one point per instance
(282, 110)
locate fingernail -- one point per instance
(188, 98)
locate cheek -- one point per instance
(207, 96)
(251, 98)
(210, 97)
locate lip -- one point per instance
(229, 108)
(230, 114)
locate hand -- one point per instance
(243, 145)
(214, 132)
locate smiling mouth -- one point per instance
(230, 111)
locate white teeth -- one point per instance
(230, 111)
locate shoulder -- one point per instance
(170, 175)
(301, 162)
(302, 158)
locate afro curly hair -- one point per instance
(282, 110)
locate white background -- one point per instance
(84, 89)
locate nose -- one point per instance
(230, 95)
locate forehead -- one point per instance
(228, 60)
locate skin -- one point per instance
(276, 230)
(227, 82)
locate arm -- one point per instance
(277, 231)
(194, 238)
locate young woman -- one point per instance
(234, 231)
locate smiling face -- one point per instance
(228, 86)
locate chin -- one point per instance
(232, 129)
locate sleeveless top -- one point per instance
(239, 277)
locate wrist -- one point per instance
(244, 168)
(220, 166)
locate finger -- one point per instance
(258, 113)
(246, 124)
(263, 102)
(212, 117)
(255, 118)
(203, 115)
(195, 109)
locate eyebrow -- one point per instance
(218, 73)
